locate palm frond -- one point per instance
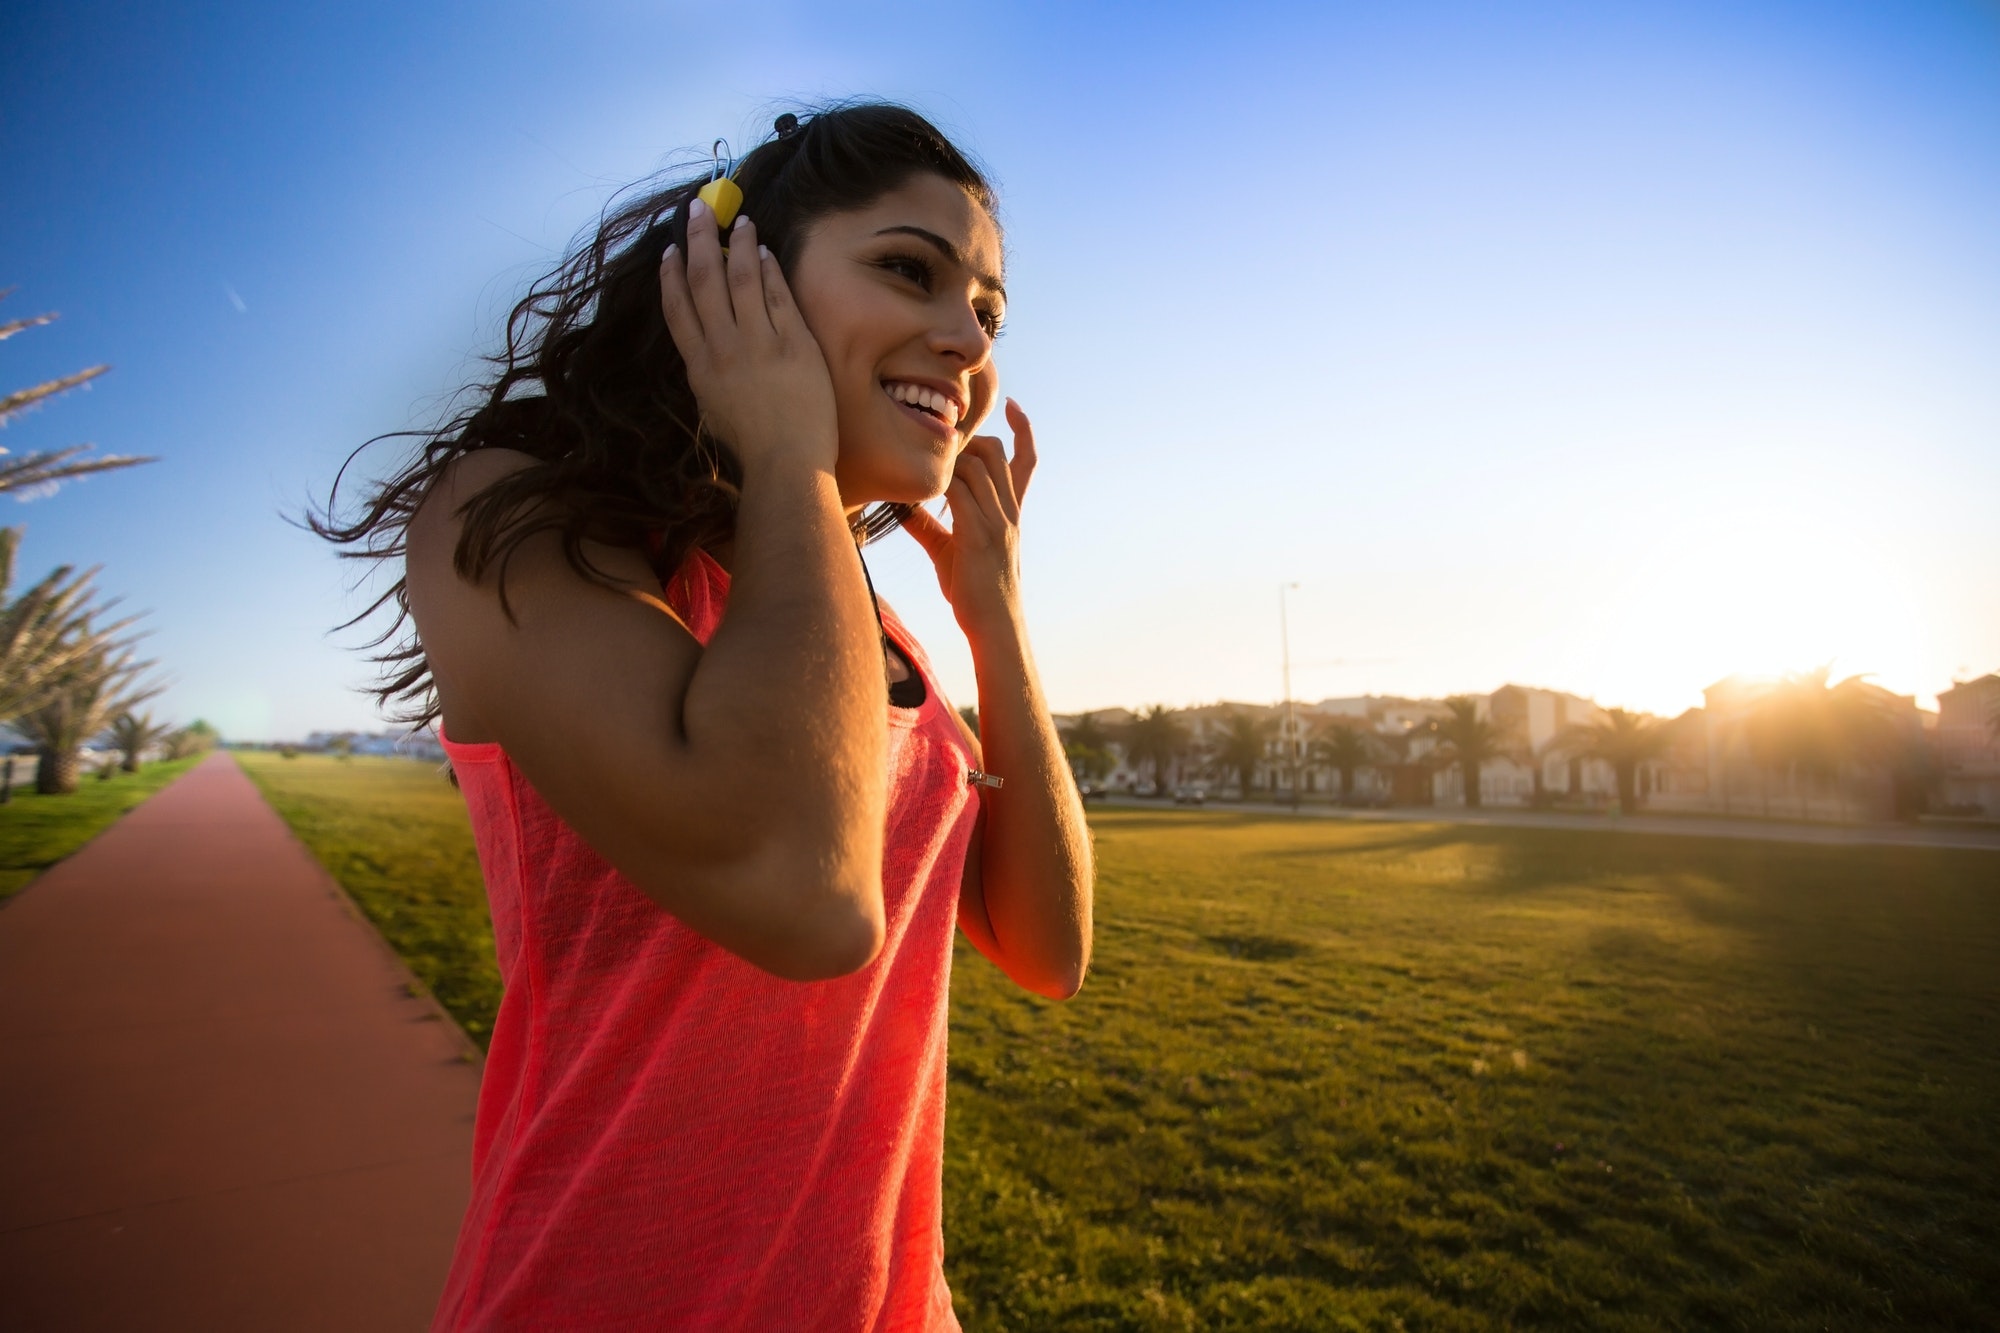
(1465, 737)
(131, 734)
(93, 691)
(23, 399)
(1155, 734)
(58, 465)
(1344, 745)
(1620, 737)
(13, 327)
(51, 633)
(42, 635)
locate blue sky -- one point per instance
(1606, 347)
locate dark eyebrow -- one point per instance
(949, 251)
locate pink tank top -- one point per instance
(668, 1137)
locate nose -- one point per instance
(959, 333)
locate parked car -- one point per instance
(1191, 793)
(1092, 791)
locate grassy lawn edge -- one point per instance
(38, 832)
(394, 835)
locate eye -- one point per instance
(915, 268)
(918, 270)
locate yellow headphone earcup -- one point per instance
(724, 198)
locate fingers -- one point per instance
(968, 520)
(746, 278)
(995, 480)
(677, 304)
(979, 471)
(708, 296)
(706, 277)
(983, 463)
(779, 307)
(1023, 465)
(932, 535)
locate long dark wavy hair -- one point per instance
(590, 384)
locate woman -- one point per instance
(726, 817)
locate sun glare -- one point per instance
(1761, 593)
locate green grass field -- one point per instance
(38, 831)
(1331, 1075)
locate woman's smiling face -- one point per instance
(904, 299)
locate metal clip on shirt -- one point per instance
(979, 779)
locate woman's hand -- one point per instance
(760, 378)
(978, 558)
(1025, 900)
(739, 782)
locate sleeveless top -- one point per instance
(668, 1137)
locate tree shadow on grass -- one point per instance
(1145, 819)
(1387, 836)
(1258, 948)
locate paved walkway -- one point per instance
(1686, 826)
(220, 1107)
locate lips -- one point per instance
(927, 400)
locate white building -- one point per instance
(1969, 747)
(1740, 782)
(417, 743)
(1706, 766)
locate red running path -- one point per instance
(220, 1106)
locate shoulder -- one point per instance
(437, 528)
(435, 525)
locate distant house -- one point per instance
(1968, 749)
(1741, 781)
(1709, 763)
(412, 744)
(1401, 773)
(1122, 777)
(1541, 722)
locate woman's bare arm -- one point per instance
(740, 786)
(1026, 900)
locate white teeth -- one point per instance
(916, 395)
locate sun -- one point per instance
(1757, 591)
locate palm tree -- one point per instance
(45, 633)
(1468, 740)
(49, 469)
(1624, 741)
(1156, 736)
(1813, 729)
(1087, 746)
(1535, 759)
(42, 632)
(131, 733)
(1344, 747)
(1243, 740)
(91, 692)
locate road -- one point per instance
(226, 1106)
